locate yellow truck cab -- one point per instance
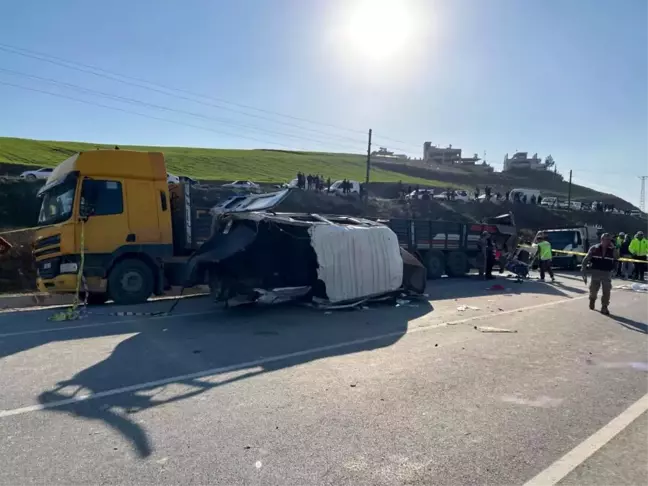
(136, 230)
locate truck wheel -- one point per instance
(457, 264)
(435, 264)
(130, 282)
(573, 263)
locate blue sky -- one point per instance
(562, 77)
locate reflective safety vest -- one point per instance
(639, 247)
(545, 250)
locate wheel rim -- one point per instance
(132, 282)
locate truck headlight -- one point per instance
(68, 268)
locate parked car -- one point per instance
(420, 194)
(576, 205)
(336, 187)
(529, 193)
(243, 185)
(172, 179)
(549, 201)
(459, 195)
(38, 174)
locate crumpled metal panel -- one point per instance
(356, 262)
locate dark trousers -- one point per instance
(490, 261)
(545, 266)
(639, 268)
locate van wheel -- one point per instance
(573, 263)
(130, 282)
(435, 264)
(457, 264)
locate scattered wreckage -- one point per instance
(257, 255)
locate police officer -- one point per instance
(600, 263)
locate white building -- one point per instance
(521, 160)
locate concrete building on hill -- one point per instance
(434, 155)
(521, 160)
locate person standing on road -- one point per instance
(624, 251)
(485, 246)
(599, 263)
(639, 249)
(544, 255)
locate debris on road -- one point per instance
(494, 329)
(495, 287)
(463, 308)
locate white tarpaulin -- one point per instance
(357, 262)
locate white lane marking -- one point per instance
(101, 324)
(162, 298)
(583, 451)
(259, 362)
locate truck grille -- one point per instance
(47, 241)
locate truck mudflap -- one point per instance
(267, 257)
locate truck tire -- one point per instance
(435, 264)
(457, 264)
(573, 263)
(130, 282)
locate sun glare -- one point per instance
(378, 30)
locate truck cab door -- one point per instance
(106, 227)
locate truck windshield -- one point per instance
(58, 202)
(560, 239)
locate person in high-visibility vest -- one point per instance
(544, 254)
(639, 249)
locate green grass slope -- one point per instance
(218, 164)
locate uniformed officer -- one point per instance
(600, 262)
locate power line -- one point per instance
(133, 81)
(141, 114)
(165, 108)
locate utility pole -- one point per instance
(368, 165)
(642, 196)
(569, 192)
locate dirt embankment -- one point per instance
(19, 205)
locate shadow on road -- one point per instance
(145, 370)
(474, 286)
(631, 324)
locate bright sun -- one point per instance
(378, 30)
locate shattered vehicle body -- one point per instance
(257, 255)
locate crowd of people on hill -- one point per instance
(309, 182)
(312, 182)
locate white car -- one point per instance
(336, 187)
(243, 185)
(420, 194)
(38, 174)
(172, 179)
(459, 195)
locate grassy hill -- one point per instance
(217, 164)
(280, 166)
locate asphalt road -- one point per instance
(414, 394)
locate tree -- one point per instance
(549, 161)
